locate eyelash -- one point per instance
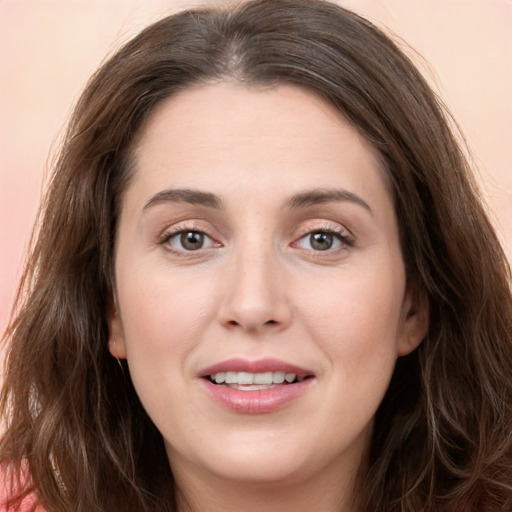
(345, 240)
(167, 237)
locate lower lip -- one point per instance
(257, 401)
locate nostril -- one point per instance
(270, 322)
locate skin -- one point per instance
(258, 288)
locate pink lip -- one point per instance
(259, 366)
(255, 401)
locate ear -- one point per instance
(414, 323)
(116, 341)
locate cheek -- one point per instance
(163, 314)
(162, 307)
(355, 320)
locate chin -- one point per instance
(262, 469)
(252, 458)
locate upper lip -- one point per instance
(257, 366)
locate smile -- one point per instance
(246, 381)
(255, 387)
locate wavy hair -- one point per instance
(77, 436)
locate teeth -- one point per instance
(247, 379)
(278, 377)
(263, 378)
(219, 378)
(231, 377)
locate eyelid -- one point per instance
(342, 234)
(180, 228)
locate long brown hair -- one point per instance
(443, 434)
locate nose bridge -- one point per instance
(254, 295)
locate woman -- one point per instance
(263, 278)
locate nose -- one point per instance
(255, 297)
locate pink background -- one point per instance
(48, 49)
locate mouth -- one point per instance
(249, 381)
(255, 387)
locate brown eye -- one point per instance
(321, 241)
(324, 240)
(187, 241)
(191, 240)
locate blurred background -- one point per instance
(49, 48)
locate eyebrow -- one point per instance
(195, 197)
(301, 200)
(320, 196)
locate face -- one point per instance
(260, 287)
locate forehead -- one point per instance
(274, 138)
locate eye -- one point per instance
(188, 240)
(323, 240)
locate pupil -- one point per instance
(321, 241)
(192, 240)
